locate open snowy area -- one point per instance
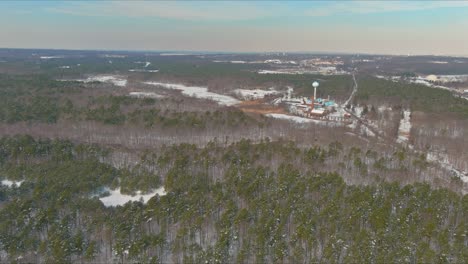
(142, 70)
(116, 198)
(145, 95)
(11, 183)
(405, 127)
(296, 119)
(112, 79)
(198, 92)
(254, 94)
(443, 160)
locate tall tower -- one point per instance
(315, 85)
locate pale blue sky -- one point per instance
(390, 27)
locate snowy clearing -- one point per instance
(405, 127)
(11, 183)
(198, 92)
(145, 95)
(439, 62)
(51, 57)
(142, 70)
(115, 80)
(254, 94)
(175, 54)
(147, 63)
(443, 160)
(279, 72)
(291, 118)
(116, 198)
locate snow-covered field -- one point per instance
(51, 57)
(145, 95)
(254, 94)
(439, 62)
(279, 72)
(198, 92)
(117, 198)
(405, 127)
(11, 183)
(147, 63)
(175, 54)
(112, 79)
(142, 70)
(296, 119)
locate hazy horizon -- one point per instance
(362, 27)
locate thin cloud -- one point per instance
(224, 11)
(369, 7)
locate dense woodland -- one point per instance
(267, 202)
(241, 187)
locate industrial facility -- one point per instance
(317, 108)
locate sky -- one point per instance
(376, 27)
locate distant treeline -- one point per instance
(415, 96)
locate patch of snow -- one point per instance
(358, 111)
(439, 62)
(405, 127)
(145, 95)
(174, 54)
(254, 94)
(366, 131)
(142, 70)
(11, 183)
(115, 80)
(384, 108)
(51, 57)
(238, 62)
(147, 63)
(116, 198)
(113, 56)
(198, 92)
(64, 67)
(278, 72)
(296, 119)
(443, 160)
(353, 125)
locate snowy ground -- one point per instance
(323, 71)
(145, 95)
(112, 79)
(198, 92)
(405, 127)
(367, 132)
(51, 57)
(303, 120)
(254, 94)
(142, 70)
(358, 111)
(116, 198)
(296, 119)
(444, 162)
(11, 183)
